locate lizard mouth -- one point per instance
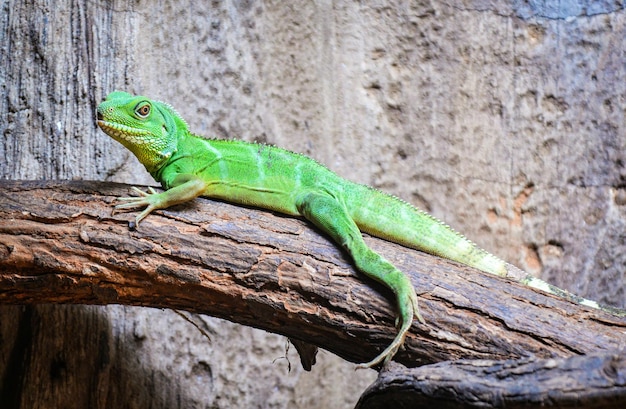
(122, 132)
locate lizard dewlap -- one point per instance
(188, 166)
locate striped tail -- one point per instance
(393, 219)
(390, 218)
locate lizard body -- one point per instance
(188, 166)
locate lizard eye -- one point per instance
(143, 110)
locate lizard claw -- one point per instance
(144, 199)
(135, 189)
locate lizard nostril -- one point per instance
(99, 116)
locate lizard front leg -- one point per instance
(331, 216)
(185, 188)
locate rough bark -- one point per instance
(59, 243)
(593, 381)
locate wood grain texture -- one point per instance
(593, 381)
(59, 243)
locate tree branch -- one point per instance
(594, 381)
(59, 243)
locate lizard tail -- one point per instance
(534, 282)
(388, 217)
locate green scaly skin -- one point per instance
(188, 166)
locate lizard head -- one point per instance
(149, 129)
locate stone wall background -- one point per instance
(505, 119)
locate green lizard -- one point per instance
(188, 166)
